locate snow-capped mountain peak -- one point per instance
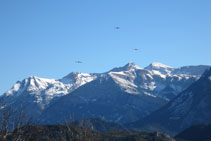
(129, 66)
(160, 65)
(162, 68)
(35, 83)
(78, 78)
(31, 84)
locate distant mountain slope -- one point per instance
(191, 70)
(195, 133)
(185, 70)
(190, 107)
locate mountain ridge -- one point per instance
(132, 81)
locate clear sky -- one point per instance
(45, 37)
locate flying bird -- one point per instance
(117, 27)
(78, 62)
(135, 49)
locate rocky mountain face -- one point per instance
(155, 80)
(190, 107)
(101, 98)
(122, 95)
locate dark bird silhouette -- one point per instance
(117, 27)
(135, 49)
(78, 62)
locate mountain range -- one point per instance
(123, 94)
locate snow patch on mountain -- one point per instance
(155, 72)
(15, 89)
(35, 83)
(148, 86)
(125, 82)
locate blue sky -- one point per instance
(45, 37)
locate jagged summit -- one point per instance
(71, 77)
(127, 67)
(131, 65)
(78, 77)
(33, 77)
